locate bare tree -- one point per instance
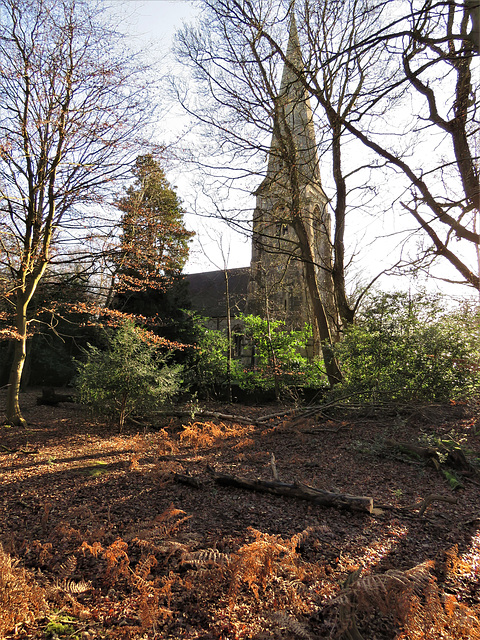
(242, 81)
(430, 137)
(396, 77)
(73, 103)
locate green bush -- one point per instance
(280, 357)
(207, 366)
(411, 348)
(131, 375)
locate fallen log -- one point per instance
(297, 490)
(51, 398)
(190, 481)
(208, 414)
(413, 449)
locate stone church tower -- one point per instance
(292, 186)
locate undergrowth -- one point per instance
(154, 578)
(22, 600)
(264, 587)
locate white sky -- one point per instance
(156, 22)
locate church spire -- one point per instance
(293, 118)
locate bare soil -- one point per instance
(121, 549)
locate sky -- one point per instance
(155, 22)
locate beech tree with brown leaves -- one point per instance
(73, 105)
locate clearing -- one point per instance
(129, 536)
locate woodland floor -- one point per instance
(114, 547)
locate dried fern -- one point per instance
(141, 573)
(117, 560)
(68, 567)
(75, 588)
(94, 549)
(433, 616)
(258, 562)
(206, 557)
(390, 592)
(283, 620)
(150, 610)
(168, 522)
(21, 598)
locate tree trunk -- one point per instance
(273, 355)
(229, 336)
(27, 366)
(14, 414)
(24, 295)
(331, 365)
(345, 311)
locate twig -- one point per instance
(422, 506)
(273, 464)
(25, 452)
(308, 411)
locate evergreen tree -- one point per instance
(154, 243)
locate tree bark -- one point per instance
(24, 296)
(346, 312)
(14, 414)
(298, 490)
(331, 365)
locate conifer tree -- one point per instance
(154, 244)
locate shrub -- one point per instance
(207, 367)
(406, 347)
(280, 357)
(131, 375)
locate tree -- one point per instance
(73, 104)
(430, 136)
(396, 79)
(154, 244)
(247, 93)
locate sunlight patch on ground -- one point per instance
(379, 549)
(472, 557)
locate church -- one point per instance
(290, 215)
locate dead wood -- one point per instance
(273, 464)
(51, 398)
(297, 490)
(421, 506)
(190, 481)
(430, 499)
(299, 413)
(415, 449)
(25, 452)
(227, 416)
(209, 414)
(440, 457)
(319, 430)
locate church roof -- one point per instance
(207, 291)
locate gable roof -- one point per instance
(207, 291)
